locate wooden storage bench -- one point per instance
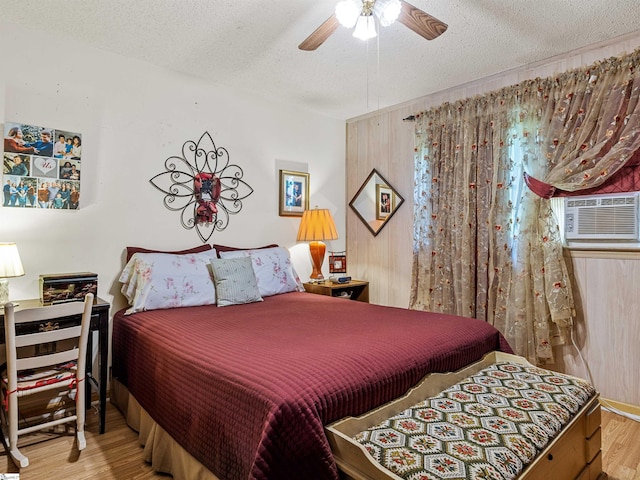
(439, 427)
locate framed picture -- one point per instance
(41, 167)
(384, 201)
(294, 193)
(337, 262)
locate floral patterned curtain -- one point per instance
(590, 126)
(485, 245)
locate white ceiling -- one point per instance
(252, 44)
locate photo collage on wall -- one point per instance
(41, 167)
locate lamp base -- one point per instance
(317, 251)
(4, 291)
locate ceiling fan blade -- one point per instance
(420, 22)
(320, 34)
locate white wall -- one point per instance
(133, 116)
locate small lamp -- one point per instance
(317, 225)
(10, 266)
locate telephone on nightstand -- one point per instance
(339, 279)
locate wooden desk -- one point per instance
(100, 324)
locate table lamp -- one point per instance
(317, 225)
(10, 266)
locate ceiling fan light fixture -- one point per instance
(365, 27)
(348, 11)
(387, 11)
(364, 14)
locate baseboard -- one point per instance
(623, 407)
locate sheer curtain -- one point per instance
(486, 245)
(590, 127)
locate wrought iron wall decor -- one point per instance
(203, 186)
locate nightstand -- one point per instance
(354, 290)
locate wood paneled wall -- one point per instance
(607, 325)
(385, 143)
(382, 140)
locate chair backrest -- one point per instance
(48, 332)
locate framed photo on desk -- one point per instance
(337, 262)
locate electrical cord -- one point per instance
(604, 403)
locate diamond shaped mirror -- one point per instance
(376, 202)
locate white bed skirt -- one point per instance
(160, 450)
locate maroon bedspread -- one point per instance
(247, 389)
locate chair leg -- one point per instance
(82, 442)
(80, 416)
(18, 458)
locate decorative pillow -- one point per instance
(225, 248)
(235, 281)
(198, 249)
(162, 280)
(274, 272)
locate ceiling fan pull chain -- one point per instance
(378, 80)
(367, 59)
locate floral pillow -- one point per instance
(273, 268)
(160, 280)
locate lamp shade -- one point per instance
(365, 27)
(347, 12)
(387, 11)
(317, 225)
(10, 264)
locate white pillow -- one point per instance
(274, 272)
(161, 280)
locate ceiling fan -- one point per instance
(363, 15)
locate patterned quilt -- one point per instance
(489, 426)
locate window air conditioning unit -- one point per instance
(602, 217)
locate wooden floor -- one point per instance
(114, 455)
(620, 447)
(117, 455)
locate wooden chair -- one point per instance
(33, 366)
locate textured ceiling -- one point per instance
(251, 45)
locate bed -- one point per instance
(246, 390)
